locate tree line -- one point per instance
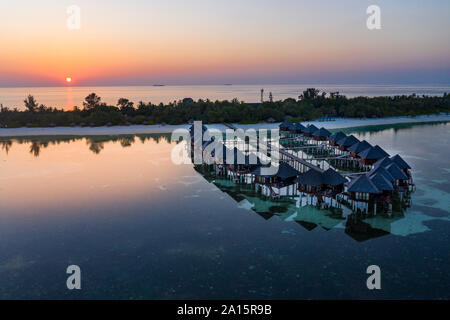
(311, 104)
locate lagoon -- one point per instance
(140, 227)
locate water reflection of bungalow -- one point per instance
(321, 135)
(335, 137)
(310, 216)
(308, 132)
(358, 148)
(359, 226)
(347, 142)
(371, 155)
(360, 230)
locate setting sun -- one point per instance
(68, 79)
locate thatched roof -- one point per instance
(363, 184)
(311, 178)
(383, 162)
(322, 132)
(373, 153)
(396, 172)
(359, 146)
(400, 162)
(379, 149)
(311, 129)
(335, 137)
(291, 126)
(237, 154)
(285, 124)
(285, 171)
(383, 172)
(381, 182)
(316, 178)
(332, 178)
(299, 127)
(347, 141)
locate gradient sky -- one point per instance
(137, 42)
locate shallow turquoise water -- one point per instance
(140, 227)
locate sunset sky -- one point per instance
(137, 42)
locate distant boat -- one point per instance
(227, 84)
(159, 85)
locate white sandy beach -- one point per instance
(149, 129)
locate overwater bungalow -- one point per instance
(321, 135)
(310, 182)
(358, 147)
(381, 182)
(362, 189)
(308, 132)
(347, 142)
(381, 170)
(402, 164)
(371, 155)
(382, 162)
(235, 164)
(400, 177)
(327, 183)
(384, 197)
(297, 128)
(335, 137)
(285, 176)
(285, 125)
(333, 181)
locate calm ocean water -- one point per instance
(140, 227)
(67, 97)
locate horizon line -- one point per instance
(232, 84)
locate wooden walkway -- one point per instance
(294, 161)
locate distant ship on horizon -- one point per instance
(159, 85)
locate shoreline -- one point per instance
(342, 123)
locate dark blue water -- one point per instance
(142, 228)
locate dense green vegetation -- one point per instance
(310, 105)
